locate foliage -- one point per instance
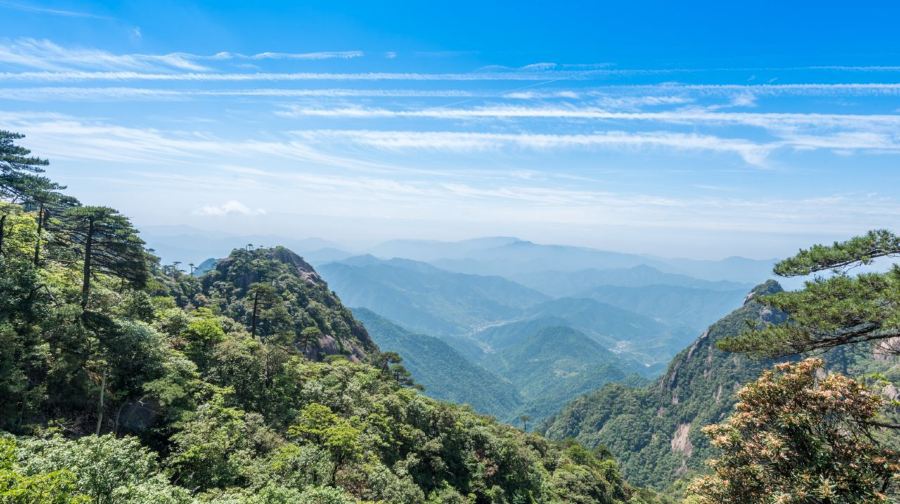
(127, 381)
(107, 243)
(56, 487)
(833, 311)
(100, 464)
(796, 438)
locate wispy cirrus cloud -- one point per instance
(61, 76)
(685, 115)
(46, 55)
(42, 54)
(319, 55)
(24, 7)
(752, 153)
(58, 93)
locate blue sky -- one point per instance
(691, 129)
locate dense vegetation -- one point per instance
(655, 431)
(550, 363)
(443, 372)
(800, 435)
(130, 382)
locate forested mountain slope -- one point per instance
(634, 336)
(290, 297)
(551, 364)
(202, 390)
(442, 371)
(655, 430)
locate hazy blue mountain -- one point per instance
(514, 259)
(738, 269)
(427, 299)
(520, 257)
(569, 283)
(637, 336)
(205, 266)
(675, 306)
(187, 244)
(445, 373)
(430, 250)
(326, 255)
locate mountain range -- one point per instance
(544, 324)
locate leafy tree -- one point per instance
(100, 464)
(267, 314)
(318, 424)
(309, 336)
(18, 174)
(795, 438)
(391, 366)
(45, 198)
(56, 487)
(201, 336)
(108, 244)
(835, 311)
(216, 445)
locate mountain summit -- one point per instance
(279, 295)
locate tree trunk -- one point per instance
(118, 415)
(40, 228)
(100, 405)
(86, 285)
(2, 229)
(253, 320)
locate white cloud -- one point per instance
(58, 93)
(751, 153)
(53, 12)
(42, 54)
(46, 55)
(61, 76)
(320, 55)
(230, 207)
(699, 115)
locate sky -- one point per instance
(693, 129)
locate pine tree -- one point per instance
(838, 310)
(107, 243)
(18, 173)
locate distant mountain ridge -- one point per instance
(558, 283)
(504, 256)
(427, 299)
(688, 307)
